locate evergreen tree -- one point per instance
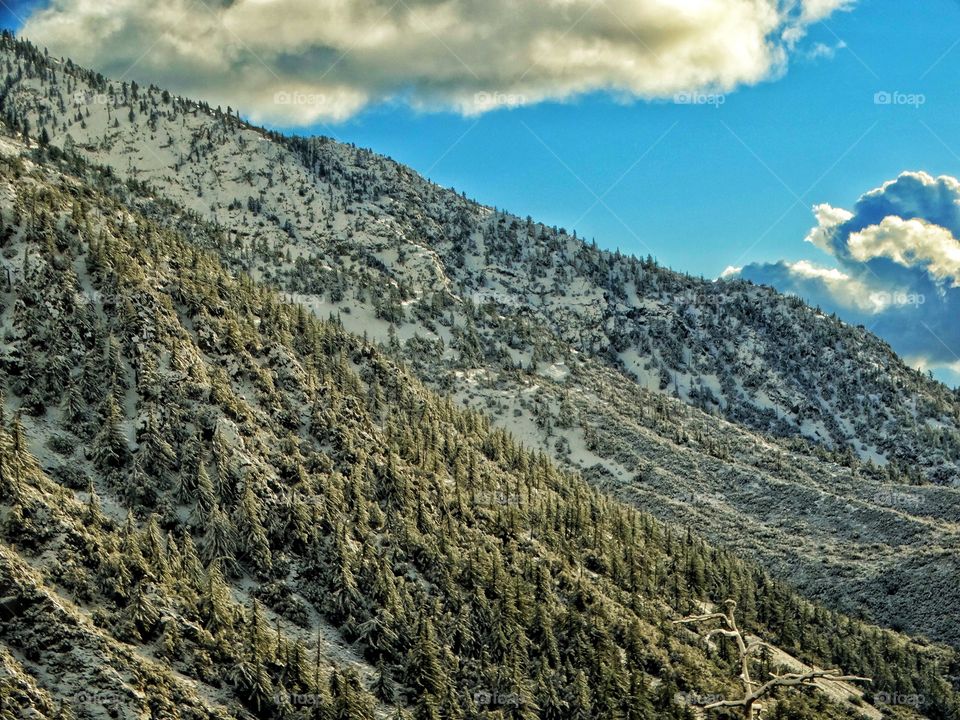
(110, 449)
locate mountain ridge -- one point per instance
(505, 314)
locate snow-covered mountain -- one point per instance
(758, 420)
(347, 228)
(214, 505)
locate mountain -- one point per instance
(216, 505)
(329, 221)
(769, 427)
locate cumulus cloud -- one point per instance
(298, 61)
(909, 243)
(814, 10)
(895, 267)
(828, 219)
(819, 285)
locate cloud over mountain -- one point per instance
(897, 271)
(299, 61)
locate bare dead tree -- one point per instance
(754, 691)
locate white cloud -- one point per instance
(897, 266)
(814, 10)
(828, 219)
(347, 54)
(806, 269)
(909, 243)
(847, 290)
(823, 51)
(730, 272)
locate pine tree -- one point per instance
(250, 674)
(19, 460)
(219, 541)
(110, 449)
(142, 613)
(158, 455)
(74, 407)
(93, 516)
(578, 698)
(423, 670)
(203, 492)
(349, 700)
(216, 601)
(250, 530)
(383, 685)
(636, 703)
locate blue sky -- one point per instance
(12, 12)
(701, 187)
(706, 186)
(726, 184)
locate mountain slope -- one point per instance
(317, 217)
(575, 350)
(216, 505)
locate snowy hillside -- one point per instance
(346, 228)
(792, 438)
(214, 505)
